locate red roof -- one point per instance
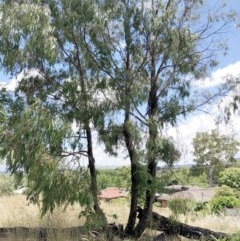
(112, 192)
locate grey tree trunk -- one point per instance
(210, 176)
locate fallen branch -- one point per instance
(170, 227)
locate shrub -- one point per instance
(180, 206)
(219, 203)
(230, 177)
(201, 207)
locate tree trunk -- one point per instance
(93, 174)
(129, 230)
(210, 176)
(147, 211)
(128, 138)
(152, 164)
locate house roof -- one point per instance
(112, 192)
(182, 187)
(161, 196)
(199, 194)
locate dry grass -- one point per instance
(217, 223)
(17, 212)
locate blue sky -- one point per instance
(233, 36)
(229, 63)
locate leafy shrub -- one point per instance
(219, 203)
(225, 197)
(230, 177)
(225, 191)
(180, 206)
(201, 207)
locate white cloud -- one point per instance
(219, 76)
(232, 69)
(184, 133)
(13, 83)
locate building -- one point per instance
(194, 193)
(112, 193)
(162, 199)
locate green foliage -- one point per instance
(234, 237)
(180, 206)
(93, 62)
(105, 178)
(218, 204)
(6, 184)
(123, 177)
(227, 191)
(32, 139)
(201, 208)
(59, 187)
(212, 151)
(120, 177)
(34, 145)
(231, 177)
(93, 220)
(225, 198)
(165, 150)
(182, 176)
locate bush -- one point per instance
(219, 203)
(230, 177)
(201, 207)
(180, 206)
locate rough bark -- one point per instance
(170, 227)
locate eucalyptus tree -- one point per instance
(213, 151)
(152, 53)
(141, 57)
(43, 41)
